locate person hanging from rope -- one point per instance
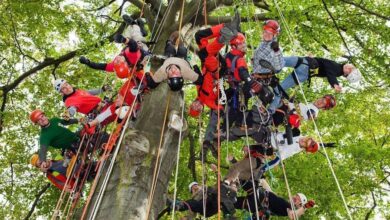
(133, 53)
(195, 205)
(78, 100)
(307, 67)
(238, 72)
(213, 69)
(135, 30)
(269, 51)
(55, 171)
(270, 204)
(53, 134)
(174, 69)
(284, 150)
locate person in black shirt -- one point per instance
(307, 67)
(268, 203)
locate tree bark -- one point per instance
(129, 186)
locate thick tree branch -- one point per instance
(225, 19)
(358, 5)
(37, 198)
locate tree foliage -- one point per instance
(41, 40)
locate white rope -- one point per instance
(315, 125)
(155, 20)
(178, 158)
(250, 163)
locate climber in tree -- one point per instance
(279, 144)
(131, 91)
(133, 53)
(135, 30)
(269, 51)
(195, 204)
(55, 171)
(53, 134)
(213, 68)
(307, 67)
(268, 203)
(174, 69)
(85, 102)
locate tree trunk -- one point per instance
(129, 186)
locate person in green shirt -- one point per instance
(53, 134)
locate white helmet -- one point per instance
(58, 84)
(303, 198)
(354, 76)
(122, 111)
(191, 185)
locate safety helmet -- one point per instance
(34, 115)
(294, 120)
(354, 76)
(34, 160)
(121, 112)
(313, 147)
(330, 101)
(194, 109)
(58, 83)
(121, 68)
(191, 185)
(271, 26)
(239, 39)
(303, 198)
(176, 83)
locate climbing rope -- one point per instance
(243, 109)
(178, 158)
(63, 192)
(315, 125)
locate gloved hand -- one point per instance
(84, 60)
(118, 38)
(106, 88)
(66, 115)
(310, 204)
(255, 86)
(275, 46)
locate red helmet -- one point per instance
(121, 68)
(211, 63)
(196, 108)
(330, 101)
(239, 39)
(294, 120)
(313, 147)
(271, 26)
(34, 115)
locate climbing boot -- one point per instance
(228, 198)
(230, 30)
(128, 19)
(170, 50)
(141, 24)
(181, 52)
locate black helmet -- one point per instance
(176, 83)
